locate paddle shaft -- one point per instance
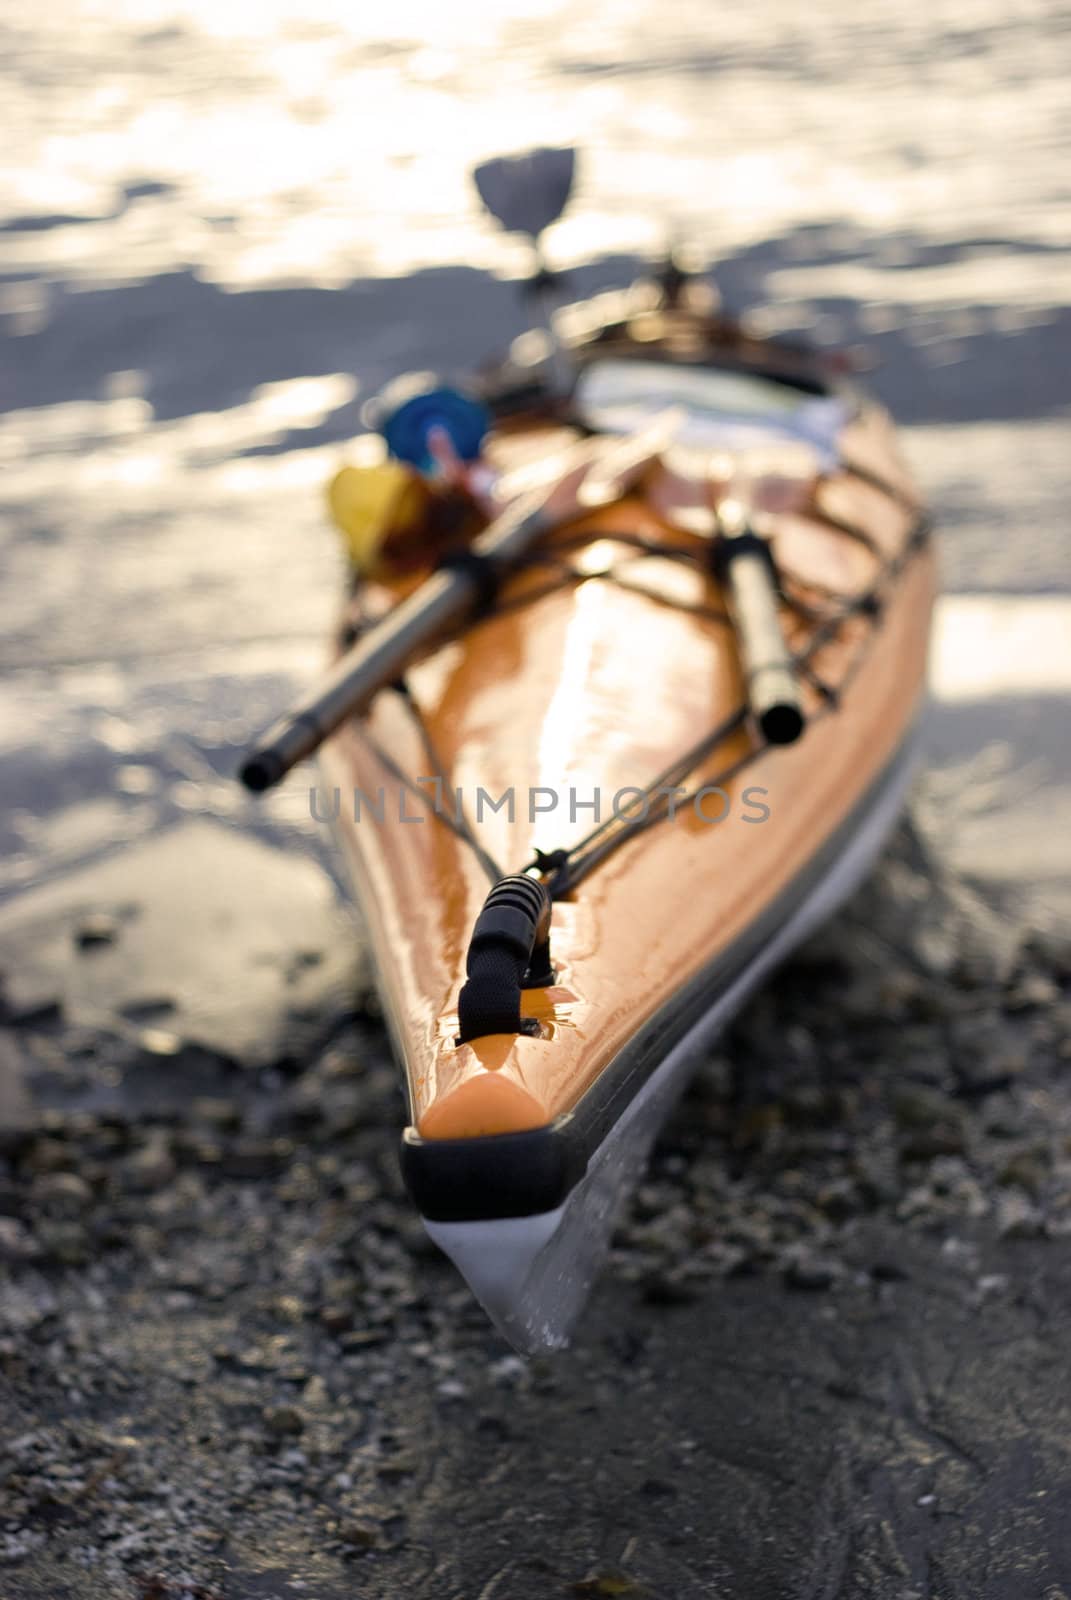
(773, 688)
(380, 657)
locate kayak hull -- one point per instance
(607, 661)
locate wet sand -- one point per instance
(828, 1356)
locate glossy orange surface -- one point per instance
(596, 686)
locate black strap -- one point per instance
(483, 572)
(509, 951)
(726, 548)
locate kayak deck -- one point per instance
(591, 686)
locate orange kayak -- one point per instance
(588, 730)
